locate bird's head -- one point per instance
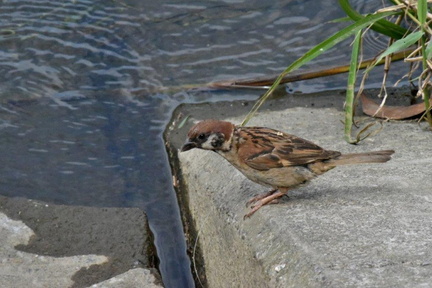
(210, 135)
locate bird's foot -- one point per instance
(264, 201)
(260, 197)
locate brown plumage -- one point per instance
(270, 157)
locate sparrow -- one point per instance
(270, 157)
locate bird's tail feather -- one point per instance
(348, 159)
(358, 158)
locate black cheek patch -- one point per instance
(218, 140)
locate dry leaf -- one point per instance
(390, 112)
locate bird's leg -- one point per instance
(266, 200)
(260, 196)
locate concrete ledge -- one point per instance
(355, 226)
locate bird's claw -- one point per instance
(259, 197)
(252, 201)
(253, 210)
(269, 198)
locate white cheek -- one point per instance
(207, 144)
(215, 139)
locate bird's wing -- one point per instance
(264, 148)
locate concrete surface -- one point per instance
(138, 277)
(355, 226)
(45, 245)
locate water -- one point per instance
(87, 88)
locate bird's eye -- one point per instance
(201, 136)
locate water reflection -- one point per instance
(81, 103)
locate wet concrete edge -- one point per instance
(61, 231)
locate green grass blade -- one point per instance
(316, 51)
(382, 26)
(422, 11)
(399, 45)
(428, 51)
(349, 99)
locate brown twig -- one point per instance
(265, 83)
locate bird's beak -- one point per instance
(188, 146)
